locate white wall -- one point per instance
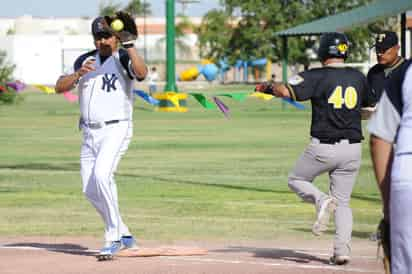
(39, 58)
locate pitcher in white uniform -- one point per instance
(104, 78)
(392, 124)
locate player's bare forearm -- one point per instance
(273, 88)
(382, 156)
(280, 90)
(67, 82)
(138, 64)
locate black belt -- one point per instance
(335, 141)
(98, 125)
(111, 122)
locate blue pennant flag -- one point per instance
(146, 97)
(294, 103)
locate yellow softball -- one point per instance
(117, 25)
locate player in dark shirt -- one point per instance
(337, 94)
(387, 53)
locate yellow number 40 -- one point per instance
(350, 98)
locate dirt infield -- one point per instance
(48, 255)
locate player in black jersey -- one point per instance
(387, 53)
(337, 94)
(389, 63)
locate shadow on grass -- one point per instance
(43, 166)
(72, 249)
(276, 253)
(189, 182)
(375, 199)
(235, 187)
(76, 167)
(355, 234)
(143, 108)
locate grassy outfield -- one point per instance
(189, 176)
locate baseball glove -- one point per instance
(128, 34)
(383, 237)
(266, 87)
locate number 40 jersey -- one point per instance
(337, 94)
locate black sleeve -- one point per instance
(302, 86)
(125, 61)
(369, 98)
(393, 87)
(126, 64)
(369, 75)
(82, 58)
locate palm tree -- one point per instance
(108, 9)
(181, 28)
(136, 8)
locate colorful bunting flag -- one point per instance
(262, 95)
(45, 89)
(222, 107)
(294, 103)
(236, 96)
(201, 98)
(146, 97)
(70, 96)
(203, 101)
(17, 86)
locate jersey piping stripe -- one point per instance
(397, 64)
(291, 92)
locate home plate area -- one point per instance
(65, 255)
(162, 251)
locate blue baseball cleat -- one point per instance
(108, 252)
(128, 242)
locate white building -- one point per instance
(44, 48)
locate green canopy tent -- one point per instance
(346, 20)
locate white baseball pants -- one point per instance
(100, 154)
(342, 162)
(401, 215)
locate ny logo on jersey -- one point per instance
(109, 81)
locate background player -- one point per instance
(152, 78)
(389, 61)
(387, 53)
(105, 78)
(337, 94)
(392, 123)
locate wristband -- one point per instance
(128, 44)
(77, 74)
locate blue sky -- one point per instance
(76, 8)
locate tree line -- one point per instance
(245, 29)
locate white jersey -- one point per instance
(152, 78)
(393, 123)
(106, 94)
(393, 118)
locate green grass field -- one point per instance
(186, 176)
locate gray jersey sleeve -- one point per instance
(384, 123)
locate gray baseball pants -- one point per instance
(342, 162)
